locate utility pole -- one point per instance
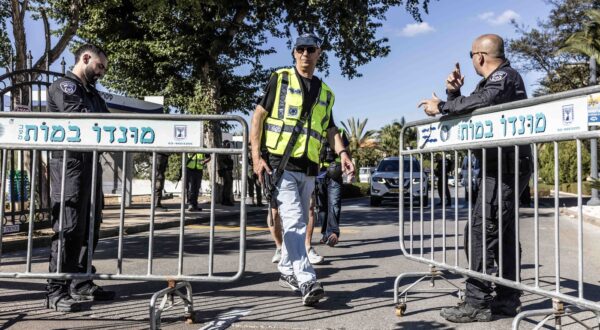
(593, 142)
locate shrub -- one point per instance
(357, 189)
(567, 160)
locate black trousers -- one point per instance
(194, 183)
(441, 186)
(479, 293)
(162, 161)
(227, 188)
(76, 223)
(252, 186)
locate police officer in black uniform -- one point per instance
(226, 172)
(500, 84)
(162, 162)
(75, 93)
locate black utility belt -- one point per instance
(508, 165)
(72, 155)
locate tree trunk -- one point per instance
(211, 92)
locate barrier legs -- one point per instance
(168, 301)
(557, 312)
(400, 299)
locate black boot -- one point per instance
(63, 303)
(91, 291)
(465, 313)
(509, 305)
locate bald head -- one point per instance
(492, 44)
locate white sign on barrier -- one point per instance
(87, 132)
(558, 117)
(593, 108)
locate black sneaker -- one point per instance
(508, 306)
(289, 281)
(194, 208)
(64, 303)
(465, 313)
(92, 292)
(312, 292)
(160, 208)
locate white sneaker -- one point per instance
(277, 256)
(314, 257)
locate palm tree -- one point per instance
(389, 138)
(587, 41)
(358, 137)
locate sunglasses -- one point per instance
(310, 49)
(471, 53)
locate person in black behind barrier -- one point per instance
(500, 84)
(253, 184)
(162, 161)
(226, 172)
(441, 183)
(194, 171)
(75, 92)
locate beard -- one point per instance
(90, 75)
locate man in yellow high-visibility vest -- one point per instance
(194, 169)
(296, 100)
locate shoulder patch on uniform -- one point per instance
(497, 76)
(68, 87)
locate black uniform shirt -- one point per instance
(69, 94)
(310, 92)
(501, 86)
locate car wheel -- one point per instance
(375, 201)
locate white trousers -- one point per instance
(293, 197)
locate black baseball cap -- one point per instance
(308, 39)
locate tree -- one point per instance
(68, 16)
(538, 48)
(358, 138)
(587, 41)
(567, 164)
(389, 137)
(205, 56)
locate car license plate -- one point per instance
(395, 191)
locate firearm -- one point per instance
(268, 186)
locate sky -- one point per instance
(422, 55)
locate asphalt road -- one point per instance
(358, 277)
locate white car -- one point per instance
(364, 174)
(385, 181)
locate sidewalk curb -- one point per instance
(592, 220)
(113, 231)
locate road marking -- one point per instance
(229, 228)
(256, 228)
(225, 320)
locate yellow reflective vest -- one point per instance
(286, 112)
(195, 162)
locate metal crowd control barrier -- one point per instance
(497, 131)
(95, 133)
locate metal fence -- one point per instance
(97, 133)
(432, 235)
(25, 90)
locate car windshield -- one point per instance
(391, 165)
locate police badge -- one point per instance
(68, 87)
(497, 76)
